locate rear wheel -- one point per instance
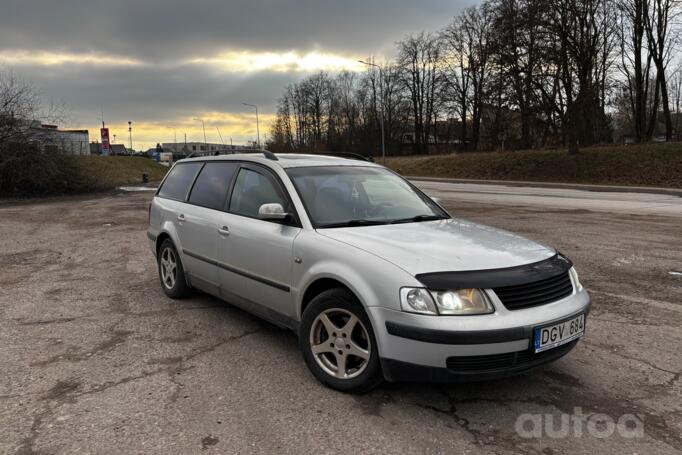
(338, 344)
(171, 272)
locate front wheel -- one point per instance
(338, 343)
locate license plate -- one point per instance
(551, 336)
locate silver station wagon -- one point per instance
(377, 280)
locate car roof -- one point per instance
(286, 160)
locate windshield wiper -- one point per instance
(351, 223)
(418, 218)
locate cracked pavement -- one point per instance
(95, 358)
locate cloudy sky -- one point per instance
(161, 64)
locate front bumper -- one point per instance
(478, 368)
(464, 348)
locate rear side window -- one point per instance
(176, 186)
(211, 186)
(251, 190)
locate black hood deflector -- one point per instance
(494, 278)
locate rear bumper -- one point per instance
(473, 368)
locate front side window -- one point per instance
(210, 189)
(177, 184)
(339, 196)
(251, 190)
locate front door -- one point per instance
(257, 255)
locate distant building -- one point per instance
(50, 137)
(191, 147)
(119, 149)
(116, 149)
(184, 149)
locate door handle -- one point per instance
(224, 230)
(181, 217)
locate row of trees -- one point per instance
(503, 74)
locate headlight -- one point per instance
(462, 302)
(417, 300)
(576, 281)
(456, 302)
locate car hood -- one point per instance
(442, 246)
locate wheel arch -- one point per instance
(320, 285)
(160, 239)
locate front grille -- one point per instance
(494, 362)
(536, 293)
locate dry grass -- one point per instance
(642, 165)
(29, 171)
(105, 172)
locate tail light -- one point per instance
(149, 214)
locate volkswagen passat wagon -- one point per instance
(377, 279)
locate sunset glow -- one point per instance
(46, 58)
(241, 127)
(246, 61)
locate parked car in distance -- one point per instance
(377, 280)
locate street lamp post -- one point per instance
(130, 134)
(203, 125)
(257, 127)
(381, 94)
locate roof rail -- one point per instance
(268, 154)
(349, 155)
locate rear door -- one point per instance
(200, 220)
(257, 255)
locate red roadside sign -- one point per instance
(106, 147)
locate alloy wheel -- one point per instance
(169, 268)
(340, 343)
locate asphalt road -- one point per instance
(557, 198)
(95, 359)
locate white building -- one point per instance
(192, 147)
(71, 142)
(198, 147)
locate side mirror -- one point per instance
(272, 211)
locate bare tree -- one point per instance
(19, 105)
(658, 20)
(509, 73)
(457, 75)
(517, 32)
(418, 57)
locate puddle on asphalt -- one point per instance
(136, 188)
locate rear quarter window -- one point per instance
(179, 180)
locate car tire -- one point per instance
(171, 271)
(350, 344)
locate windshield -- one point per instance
(338, 196)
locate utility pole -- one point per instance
(203, 125)
(220, 135)
(257, 127)
(381, 94)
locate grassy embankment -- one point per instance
(105, 172)
(639, 165)
(27, 171)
